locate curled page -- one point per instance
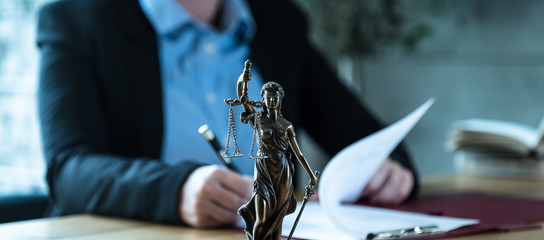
(350, 170)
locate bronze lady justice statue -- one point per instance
(273, 196)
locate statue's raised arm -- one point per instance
(242, 89)
(242, 92)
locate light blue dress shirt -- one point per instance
(200, 66)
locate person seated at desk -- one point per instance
(124, 86)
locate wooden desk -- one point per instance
(98, 227)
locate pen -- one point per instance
(405, 233)
(208, 135)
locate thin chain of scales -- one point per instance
(232, 132)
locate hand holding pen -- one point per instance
(211, 195)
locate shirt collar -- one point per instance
(166, 16)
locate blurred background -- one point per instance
(478, 58)
(21, 161)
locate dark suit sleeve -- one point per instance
(83, 173)
(342, 119)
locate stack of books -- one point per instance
(497, 148)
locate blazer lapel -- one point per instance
(142, 70)
(275, 55)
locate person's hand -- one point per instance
(212, 195)
(391, 184)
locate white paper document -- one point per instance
(343, 180)
(314, 223)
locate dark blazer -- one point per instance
(100, 103)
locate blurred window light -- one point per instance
(22, 165)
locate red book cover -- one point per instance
(496, 212)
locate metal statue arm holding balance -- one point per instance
(273, 192)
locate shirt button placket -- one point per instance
(210, 48)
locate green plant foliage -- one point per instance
(368, 27)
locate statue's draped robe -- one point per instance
(273, 185)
